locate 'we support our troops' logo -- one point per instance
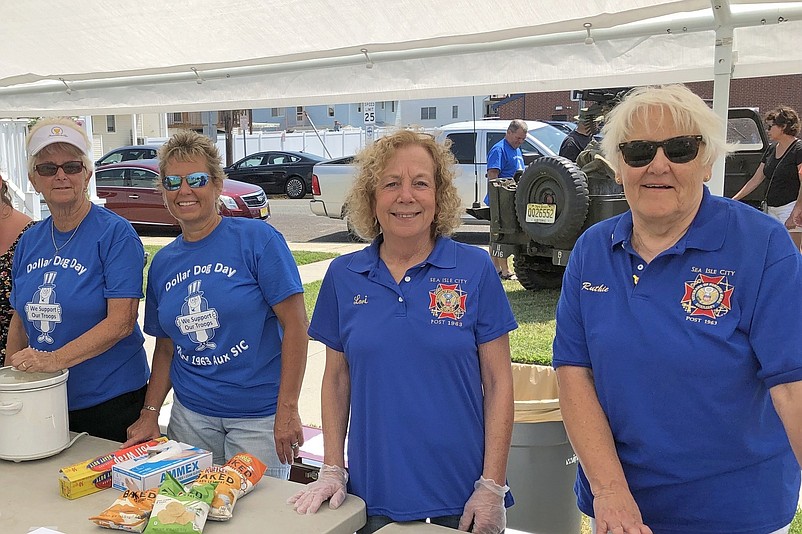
(197, 320)
(43, 311)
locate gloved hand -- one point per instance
(330, 484)
(485, 509)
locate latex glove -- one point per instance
(330, 484)
(485, 509)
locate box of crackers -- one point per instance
(94, 474)
(184, 462)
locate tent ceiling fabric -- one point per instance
(121, 58)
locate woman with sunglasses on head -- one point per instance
(678, 335)
(12, 224)
(77, 284)
(225, 303)
(782, 166)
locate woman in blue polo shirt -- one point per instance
(678, 335)
(416, 328)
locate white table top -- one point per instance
(415, 527)
(29, 497)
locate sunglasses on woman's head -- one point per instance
(677, 150)
(50, 169)
(194, 180)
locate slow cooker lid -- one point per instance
(12, 379)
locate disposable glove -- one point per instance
(330, 484)
(485, 509)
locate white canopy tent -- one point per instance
(106, 57)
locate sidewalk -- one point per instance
(309, 401)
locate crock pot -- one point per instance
(34, 422)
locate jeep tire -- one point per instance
(537, 272)
(553, 180)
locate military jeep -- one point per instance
(537, 216)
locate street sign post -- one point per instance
(369, 113)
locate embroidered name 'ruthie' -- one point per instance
(447, 301)
(707, 296)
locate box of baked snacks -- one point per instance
(177, 508)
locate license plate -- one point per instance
(264, 212)
(541, 213)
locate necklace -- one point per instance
(53, 234)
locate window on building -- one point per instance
(331, 111)
(276, 112)
(382, 105)
(428, 113)
(392, 106)
(299, 113)
(454, 112)
(111, 123)
(178, 117)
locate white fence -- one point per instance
(329, 144)
(14, 167)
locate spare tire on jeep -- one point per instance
(556, 181)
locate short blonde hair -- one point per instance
(187, 145)
(651, 105)
(371, 162)
(54, 148)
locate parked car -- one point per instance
(128, 153)
(277, 172)
(129, 189)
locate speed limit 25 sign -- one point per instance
(369, 109)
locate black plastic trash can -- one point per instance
(541, 469)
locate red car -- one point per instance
(129, 189)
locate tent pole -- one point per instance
(722, 74)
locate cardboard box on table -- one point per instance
(184, 462)
(94, 474)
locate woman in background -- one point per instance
(12, 224)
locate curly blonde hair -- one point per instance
(372, 160)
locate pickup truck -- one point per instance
(470, 142)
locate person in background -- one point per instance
(225, 303)
(503, 160)
(12, 224)
(417, 352)
(576, 141)
(782, 166)
(685, 411)
(77, 279)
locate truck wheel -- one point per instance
(295, 187)
(352, 235)
(536, 272)
(553, 180)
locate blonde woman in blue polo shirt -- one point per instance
(678, 335)
(416, 328)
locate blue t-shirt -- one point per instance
(683, 361)
(506, 159)
(214, 299)
(416, 437)
(60, 296)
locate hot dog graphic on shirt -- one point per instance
(43, 312)
(197, 321)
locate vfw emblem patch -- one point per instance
(447, 301)
(707, 296)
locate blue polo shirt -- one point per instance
(416, 438)
(683, 362)
(506, 159)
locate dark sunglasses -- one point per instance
(677, 149)
(50, 169)
(194, 180)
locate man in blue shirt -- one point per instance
(502, 161)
